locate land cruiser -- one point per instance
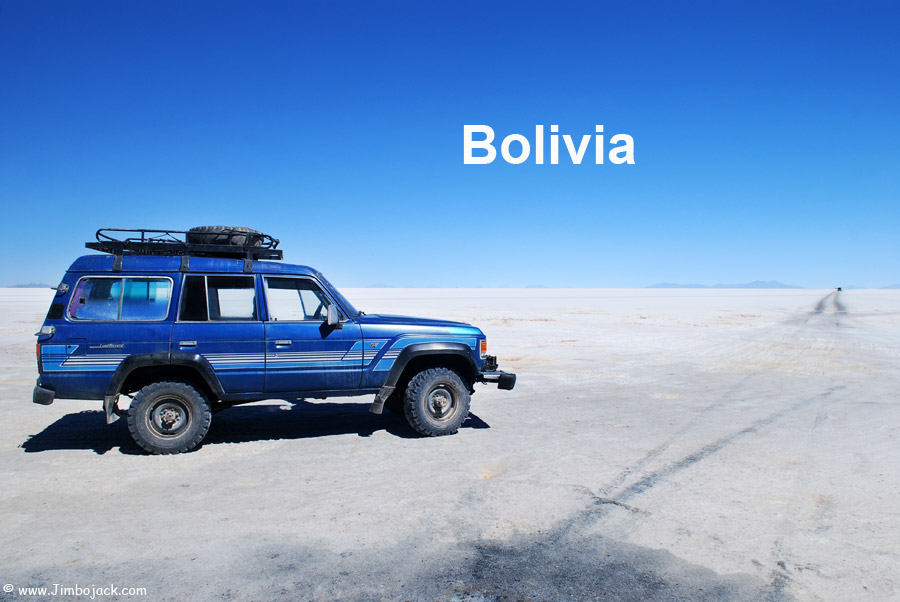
(187, 323)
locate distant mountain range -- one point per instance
(754, 284)
(31, 285)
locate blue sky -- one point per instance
(767, 137)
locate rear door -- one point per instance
(304, 354)
(218, 319)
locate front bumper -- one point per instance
(43, 396)
(504, 380)
(490, 374)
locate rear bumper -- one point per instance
(43, 396)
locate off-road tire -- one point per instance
(224, 235)
(436, 402)
(168, 418)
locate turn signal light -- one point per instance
(483, 348)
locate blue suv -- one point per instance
(191, 322)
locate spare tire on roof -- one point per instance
(225, 235)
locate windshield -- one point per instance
(337, 295)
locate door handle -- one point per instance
(188, 343)
(283, 343)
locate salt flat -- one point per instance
(659, 445)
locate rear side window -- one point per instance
(218, 299)
(121, 299)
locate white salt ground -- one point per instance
(660, 444)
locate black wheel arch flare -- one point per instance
(189, 360)
(419, 350)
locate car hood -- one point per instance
(382, 319)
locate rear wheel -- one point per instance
(168, 418)
(437, 402)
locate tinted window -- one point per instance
(218, 298)
(126, 299)
(193, 299)
(145, 299)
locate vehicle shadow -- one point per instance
(298, 419)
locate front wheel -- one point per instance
(437, 402)
(168, 418)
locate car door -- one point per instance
(303, 353)
(219, 320)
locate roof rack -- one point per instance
(239, 243)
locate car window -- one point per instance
(295, 299)
(145, 298)
(218, 299)
(337, 295)
(121, 299)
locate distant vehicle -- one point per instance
(192, 322)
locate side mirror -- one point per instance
(334, 317)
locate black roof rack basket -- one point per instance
(238, 243)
